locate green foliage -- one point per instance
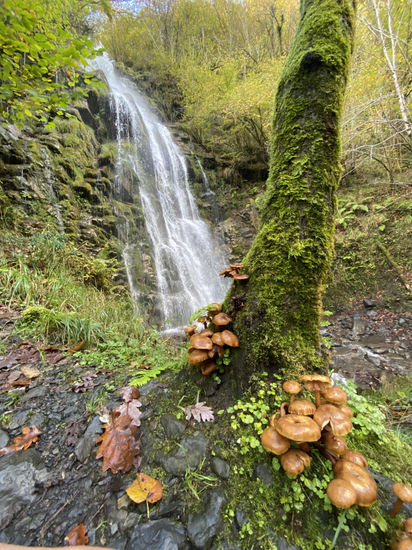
(44, 46)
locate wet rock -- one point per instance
(282, 544)
(4, 439)
(240, 517)
(19, 420)
(161, 534)
(358, 326)
(171, 425)
(37, 420)
(88, 442)
(19, 474)
(35, 393)
(220, 467)
(171, 507)
(368, 303)
(264, 474)
(192, 450)
(203, 526)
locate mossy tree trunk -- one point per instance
(290, 259)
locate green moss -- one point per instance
(290, 258)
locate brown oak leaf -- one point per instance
(30, 435)
(77, 536)
(132, 410)
(118, 444)
(129, 393)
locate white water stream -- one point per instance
(187, 256)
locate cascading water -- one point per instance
(186, 255)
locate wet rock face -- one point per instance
(161, 534)
(192, 450)
(204, 526)
(20, 474)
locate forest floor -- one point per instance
(58, 483)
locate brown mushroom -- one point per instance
(221, 319)
(316, 383)
(330, 414)
(355, 457)
(241, 277)
(273, 442)
(360, 479)
(405, 543)
(208, 367)
(298, 428)
(201, 342)
(226, 272)
(197, 356)
(274, 419)
(207, 332)
(302, 407)
(236, 266)
(214, 308)
(408, 526)
(190, 330)
(216, 351)
(341, 493)
(334, 395)
(230, 339)
(292, 387)
(346, 410)
(335, 444)
(404, 494)
(294, 461)
(217, 339)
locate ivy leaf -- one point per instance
(200, 412)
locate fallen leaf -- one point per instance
(25, 354)
(118, 444)
(200, 412)
(85, 384)
(30, 372)
(54, 357)
(145, 488)
(132, 410)
(76, 347)
(30, 435)
(77, 536)
(129, 393)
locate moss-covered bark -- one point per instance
(290, 258)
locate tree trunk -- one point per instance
(290, 259)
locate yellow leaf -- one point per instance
(145, 488)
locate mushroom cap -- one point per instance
(241, 277)
(402, 491)
(274, 419)
(201, 342)
(208, 367)
(214, 308)
(230, 339)
(408, 526)
(405, 543)
(341, 493)
(355, 457)
(197, 356)
(315, 382)
(334, 395)
(335, 444)
(360, 479)
(273, 442)
(298, 428)
(216, 351)
(217, 339)
(302, 407)
(330, 414)
(207, 332)
(347, 411)
(226, 272)
(294, 461)
(236, 265)
(221, 319)
(191, 329)
(292, 387)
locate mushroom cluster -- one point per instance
(323, 423)
(233, 271)
(209, 344)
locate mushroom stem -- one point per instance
(342, 518)
(317, 398)
(396, 508)
(292, 397)
(327, 454)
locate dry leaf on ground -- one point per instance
(200, 412)
(129, 393)
(76, 347)
(118, 445)
(30, 372)
(77, 536)
(145, 488)
(30, 435)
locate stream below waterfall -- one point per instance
(187, 256)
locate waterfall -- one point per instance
(186, 255)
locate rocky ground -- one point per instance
(58, 483)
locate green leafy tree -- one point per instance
(44, 47)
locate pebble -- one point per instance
(264, 474)
(171, 425)
(88, 442)
(220, 467)
(192, 450)
(4, 438)
(161, 534)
